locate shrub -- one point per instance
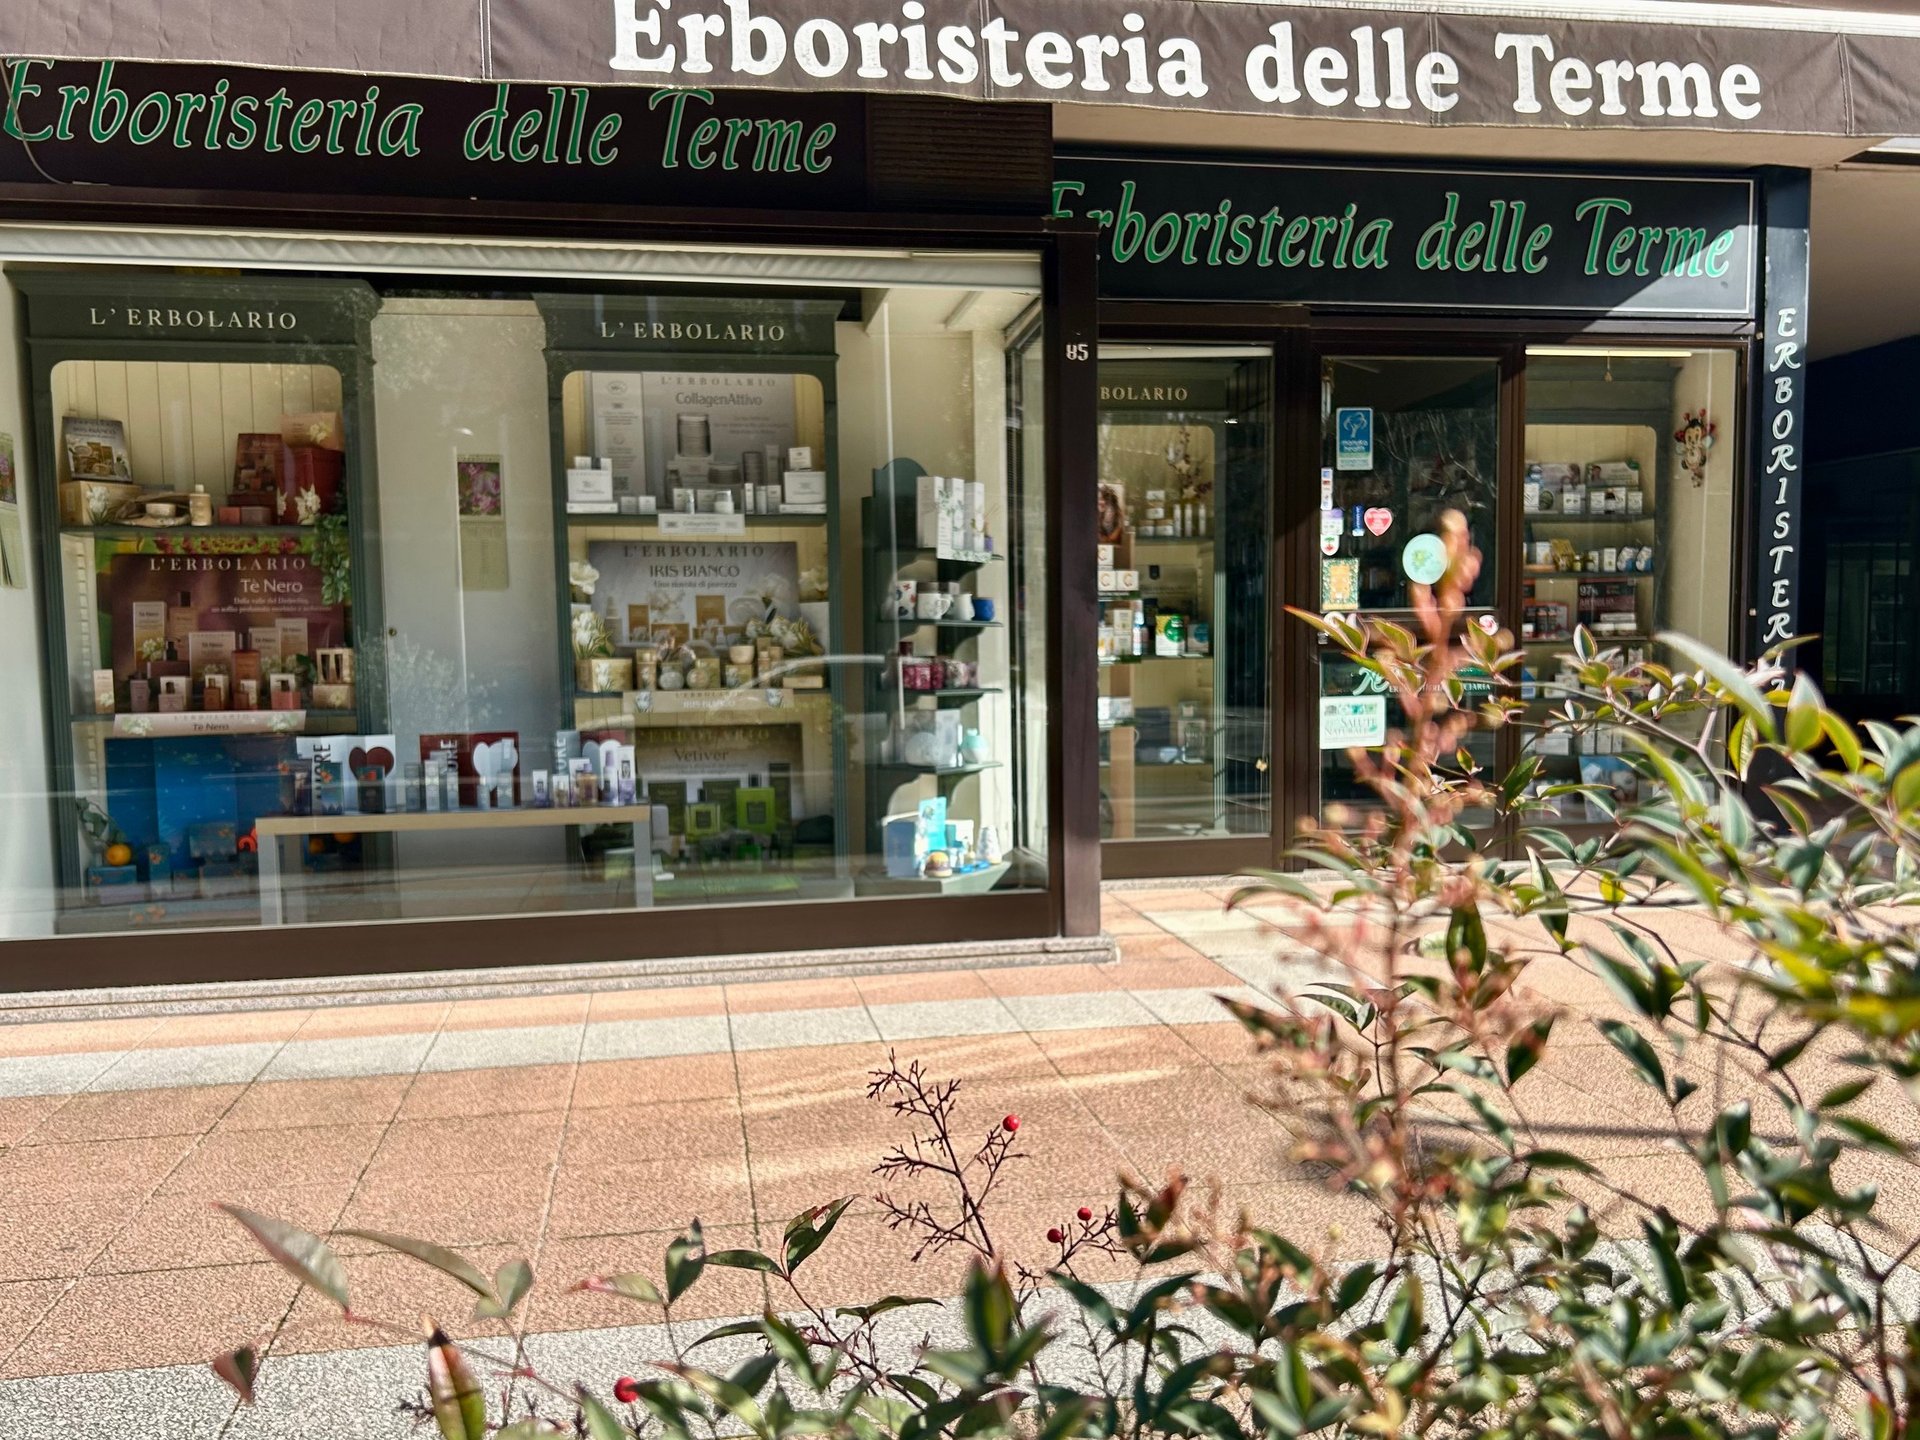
(1501, 1296)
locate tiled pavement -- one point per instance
(583, 1130)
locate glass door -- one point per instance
(1184, 541)
(1404, 439)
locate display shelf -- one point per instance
(918, 624)
(960, 694)
(965, 882)
(652, 523)
(970, 559)
(1206, 540)
(1554, 517)
(148, 532)
(186, 411)
(1532, 574)
(939, 771)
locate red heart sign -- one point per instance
(1378, 520)
(379, 755)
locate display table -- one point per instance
(272, 829)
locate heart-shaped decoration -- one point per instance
(381, 756)
(1378, 519)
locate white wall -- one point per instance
(1699, 533)
(467, 377)
(26, 821)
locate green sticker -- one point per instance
(1424, 559)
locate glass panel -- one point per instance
(1629, 503)
(658, 600)
(1868, 635)
(1404, 439)
(1184, 545)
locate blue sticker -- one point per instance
(1353, 437)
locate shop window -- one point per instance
(1405, 439)
(413, 606)
(1629, 505)
(1869, 524)
(1184, 536)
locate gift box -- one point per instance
(311, 480)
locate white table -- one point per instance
(272, 829)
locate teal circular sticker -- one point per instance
(1424, 559)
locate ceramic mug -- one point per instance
(905, 594)
(933, 605)
(982, 608)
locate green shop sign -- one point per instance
(1413, 238)
(208, 128)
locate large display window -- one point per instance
(396, 603)
(1628, 510)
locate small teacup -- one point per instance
(933, 605)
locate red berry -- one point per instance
(1085, 1214)
(1054, 1235)
(626, 1390)
(1012, 1123)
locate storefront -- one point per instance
(432, 581)
(1303, 366)
(734, 478)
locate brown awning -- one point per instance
(1633, 64)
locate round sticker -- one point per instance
(1489, 623)
(1424, 559)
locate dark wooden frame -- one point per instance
(1071, 903)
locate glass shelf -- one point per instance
(652, 522)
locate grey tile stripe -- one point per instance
(431, 1050)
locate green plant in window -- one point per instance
(333, 557)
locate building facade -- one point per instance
(755, 478)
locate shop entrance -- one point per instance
(1186, 732)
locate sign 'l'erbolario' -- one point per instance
(1402, 237)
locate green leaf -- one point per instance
(1406, 1316)
(883, 1305)
(1639, 1052)
(600, 1422)
(1803, 714)
(1466, 932)
(238, 1368)
(686, 1258)
(1729, 676)
(305, 1257)
(437, 1256)
(1526, 1048)
(510, 1284)
(744, 1260)
(1098, 1308)
(629, 1283)
(989, 1307)
(1845, 1093)
(808, 1230)
(528, 1430)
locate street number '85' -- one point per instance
(1079, 350)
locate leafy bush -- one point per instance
(1513, 1288)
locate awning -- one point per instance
(1631, 64)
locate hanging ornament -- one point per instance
(1692, 441)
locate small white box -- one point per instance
(799, 457)
(805, 487)
(1126, 579)
(1109, 582)
(589, 487)
(934, 513)
(1105, 554)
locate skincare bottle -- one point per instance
(200, 506)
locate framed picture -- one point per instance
(480, 485)
(9, 479)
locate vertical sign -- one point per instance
(1353, 436)
(1780, 413)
